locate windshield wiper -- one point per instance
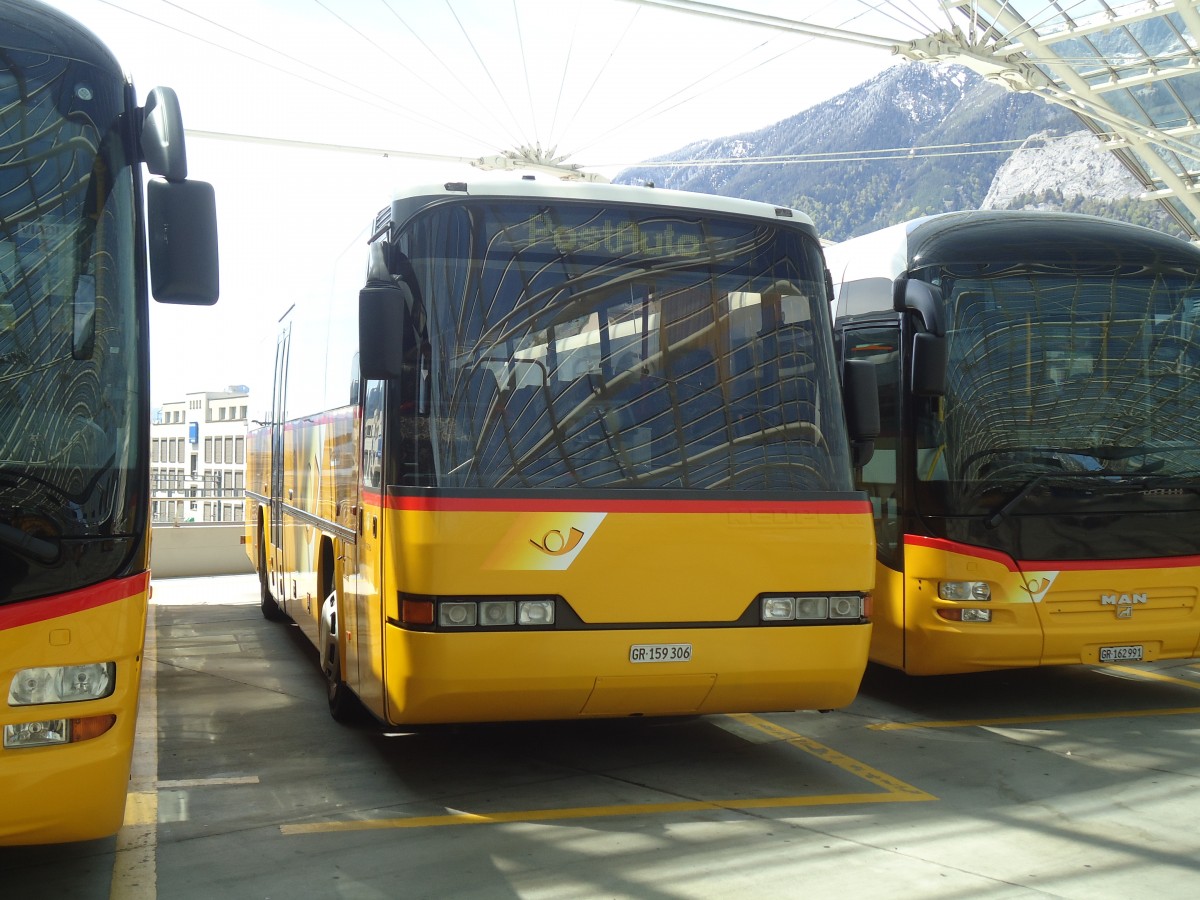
(1143, 475)
(27, 545)
(995, 518)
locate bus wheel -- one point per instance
(267, 603)
(343, 705)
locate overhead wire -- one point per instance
(605, 64)
(662, 106)
(486, 70)
(901, 17)
(525, 68)
(384, 103)
(657, 108)
(562, 81)
(930, 151)
(383, 50)
(449, 70)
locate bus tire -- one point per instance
(268, 604)
(344, 706)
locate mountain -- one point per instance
(916, 139)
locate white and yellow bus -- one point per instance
(554, 450)
(75, 409)
(1036, 482)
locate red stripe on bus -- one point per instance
(28, 612)
(1087, 565)
(490, 504)
(962, 549)
(1062, 565)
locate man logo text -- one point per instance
(1122, 599)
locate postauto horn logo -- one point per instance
(545, 541)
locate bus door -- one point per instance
(278, 413)
(879, 343)
(364, 640)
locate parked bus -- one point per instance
(555, 451)
(74, 409)
(1036, 481)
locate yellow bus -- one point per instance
(74, 409)
(561, 450)
(1036, 481)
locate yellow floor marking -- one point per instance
(1029, 720)
(1062, 717)
(833, 757)
(894, 791)
(593, 812)
(179, 783)
(1155, 676)
(135, 875)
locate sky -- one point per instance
(434, 83)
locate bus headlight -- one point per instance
(457, 615)
(62, 684)
(36, 734)
(497, 612)
(813, 609)
(845, 607)
(535, 612)
(56, 731)
(973, 591)
(778, 608)
(475, 613)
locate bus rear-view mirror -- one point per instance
(929, 361)
(182, 220)
(382, 313)
(862, 409)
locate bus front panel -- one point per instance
(626, 586)
(64, 762)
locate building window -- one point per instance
(239, 450)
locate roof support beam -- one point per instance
(1081, 99)
(1097, 27)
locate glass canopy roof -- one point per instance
(1130, 70)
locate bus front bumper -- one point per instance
(67, 792)
(512, 676)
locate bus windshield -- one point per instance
(615, 346)
(68, 326)
(1063, 377)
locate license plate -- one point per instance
(1128, 653)
(645, 653)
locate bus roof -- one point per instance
(995, 235)
(37, 28)
(530, 187)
